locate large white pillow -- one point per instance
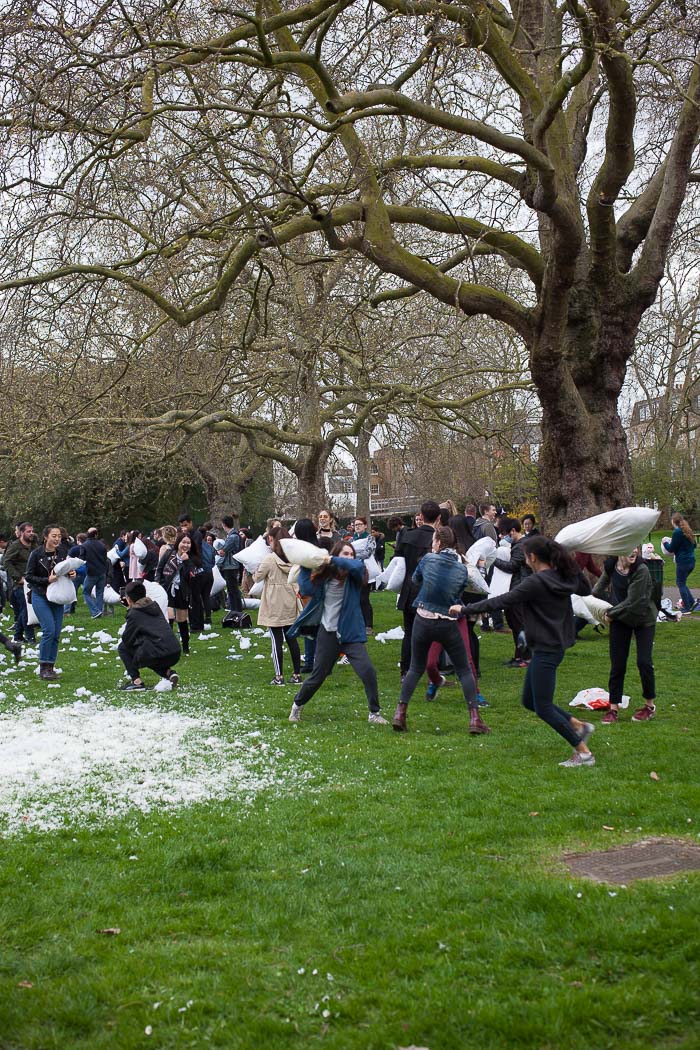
(299, 552)
(66, 566)
(250, 557)
(396, 574)
(219, 583)
(156, 593)
(140, 549)
(615, 532)
(480, 549)
(590, 608)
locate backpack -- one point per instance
(240, 621)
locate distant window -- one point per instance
(374, 490)
(374, 468)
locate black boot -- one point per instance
(184, 629)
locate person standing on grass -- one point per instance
(278, 605)
(369, 544)
(147, 640)
(441, 578)
(304, 529)
(174, 573)
(626, 582)
(40, 573)
(682, 545)
(15, 564)
(94, 553)
(517, 568)
(413, 544)
(230, 568)
(335, 608)
(545, 598)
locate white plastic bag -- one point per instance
(299, 552)
(589, 608)
(32, 618)
(591, 699)
(615, 532)
(110, 596)
(219, 583)
(67, 565)
(140, 549)
(250, 557)
(61, 591)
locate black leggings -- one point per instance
(327, 651)
(278, 636)
(538, 693)
(620, 640)
(446, 632)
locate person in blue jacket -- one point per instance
(335, 608)
(682, 546)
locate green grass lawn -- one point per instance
(410, 891)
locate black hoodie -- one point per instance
(545, 599)
(147, 634)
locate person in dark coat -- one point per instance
(412, 545)
(147, 641)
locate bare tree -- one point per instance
(446, 143)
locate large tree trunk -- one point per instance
(362, 463)
(584, 466)
(311, 477)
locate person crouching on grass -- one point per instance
(147, 641)
(336, 607)
(442, 578)
(545, 601)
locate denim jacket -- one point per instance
(351, 625)
(442, 578)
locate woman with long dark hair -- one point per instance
(278, 605)
(441, 577)
(335, 609)
(304, 529)
(682, 546)
(174, 574)
(545, 601)
(40, 573)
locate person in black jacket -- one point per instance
(94, 554)
(545, 599)
(517, 568)
(174, 574)
(627, 585)
(412, 545)
(147, 641)
(40, 573)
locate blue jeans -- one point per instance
(95, 605)
(682, 574)
(538, 693)
(50, 617)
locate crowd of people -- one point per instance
(330, 607)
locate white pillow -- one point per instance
(110, 596)
(156, 593)
(396, 574)
(219, 583)
(256, 590)
(299, 552)
(250, 557)
(61, 591)
(113, 555)
(32, 618)
(480, 549)
(615, 532)
(67, 565)
(590, 608)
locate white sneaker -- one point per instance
(343, 661)
(376, 719)
(579, 758)
(295, 714)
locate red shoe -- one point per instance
(609, 718)
(644, 714)
(476, 726)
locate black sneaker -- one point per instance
(174, 679)
(16, 650)
(131, 687)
